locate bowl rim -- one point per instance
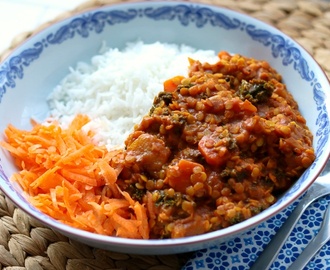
(163, 243)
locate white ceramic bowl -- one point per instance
(31, 71)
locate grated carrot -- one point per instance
(73, 180)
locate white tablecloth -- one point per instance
(18, 16)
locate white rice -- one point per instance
(117, 88)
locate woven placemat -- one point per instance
(27, 244)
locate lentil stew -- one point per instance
(217, 147)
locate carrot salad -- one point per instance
(69, 178)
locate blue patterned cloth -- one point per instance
(240, 253)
